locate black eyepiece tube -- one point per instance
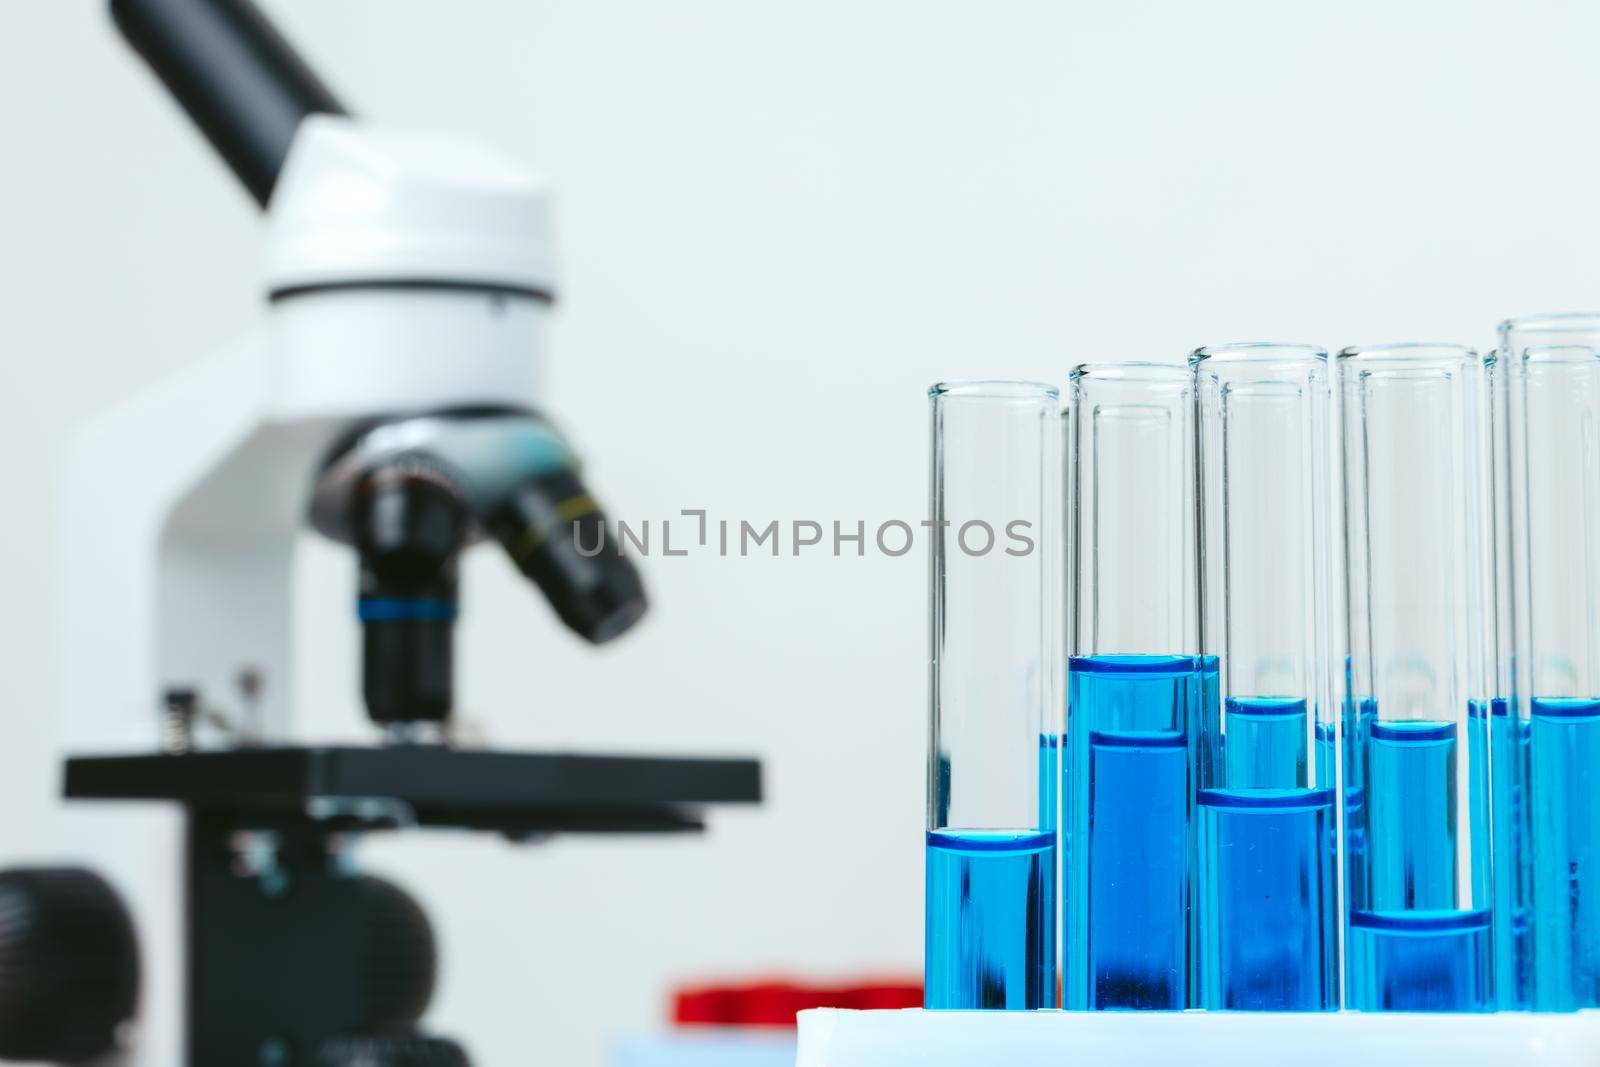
(234, 74)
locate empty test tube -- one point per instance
(1546, 378)
(1265, 823)
(1417, 934)
(991, 834)
(1135, 681)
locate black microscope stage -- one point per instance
(516, 793)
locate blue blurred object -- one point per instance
(713, 1048)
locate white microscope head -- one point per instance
(406, 272)
(358, 205)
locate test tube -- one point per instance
(1134, 688)
(1266, 830)
(991, 837)
(1417, 930)
(1509, 732)
(1546, 378)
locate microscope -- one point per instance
(392, 404)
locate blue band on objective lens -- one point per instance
(405, 609)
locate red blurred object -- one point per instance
(774, 1004)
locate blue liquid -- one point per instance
(1049, 780)
(1419, 961)
(1266, 899)
(1409, 947)
(990, 933)
(1128, 804)
(1410, 771)
(1264, 743)
(1478, 784)
(1357, 724)
(1563, 791)
(1324, 753)
(1266, 843)
(1513, 887)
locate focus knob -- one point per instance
(401, 1049)
(69, 964)
(400, 961)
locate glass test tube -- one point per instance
(1134, 688)
(1416, 737)
(1266, 828)
(1511, 725)
(991, 837)
(1546, 375)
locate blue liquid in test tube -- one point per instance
(990, 919)
(1510, 742)
(1417, 759)
(990, 855)
(1264, 742)
(1135, 686)
(1267, 874)
(1412, 949)
(1563, 756)
(1266, 853)
(1050, 780)
(1546, 396)
(1129, 764)
(1265, 824)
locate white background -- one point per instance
(778, 223)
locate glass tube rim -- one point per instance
(1409, 354)
(1132, 370)
(1570, 354)
(993, 389)
(1258, 353)
(1552, 322)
